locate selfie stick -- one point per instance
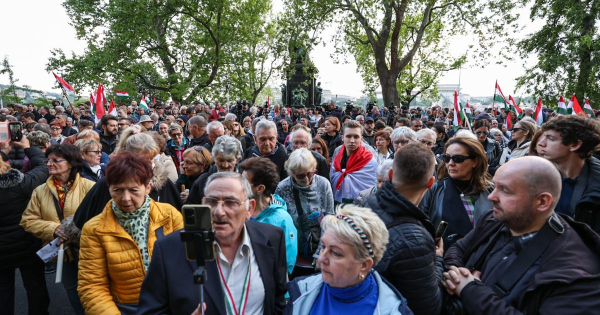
(198, 238)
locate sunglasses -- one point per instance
(482, 132)
(517, 129)
(456, 158)
(304, 175)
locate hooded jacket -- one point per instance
(567, 280)
(18, 246)
(163, 190)
(409, 263)
(276, 214)
(305, 290)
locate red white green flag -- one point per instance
(587, 108)
(62, 83)
(514, 106)
(112, 109)
(143, 103)
(562, 108)
(499, 96)
(100, 111)
(458, 119)
(122, 94)
(537, 115)
(574, 104)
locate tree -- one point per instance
(568, 50)
(7, 69)
(391, 36)
(170, 48)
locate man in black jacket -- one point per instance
(522, 257)
(410, 262)
(267, 146)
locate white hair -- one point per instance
(308, 133)
(384, 168)
(403, 133)
(300, 160)
(215, 125)
(265, 124)
(427, 131)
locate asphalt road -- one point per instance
(59, 303)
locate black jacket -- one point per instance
(409, 262)
(567, 280)
(108, 143)
(15, 157)
(278, 158)
(585, 202)
(16, 245)
(169, 288)
(197, 189)
(332, 142)
(322, 165)
(199, 141)
(86, 172)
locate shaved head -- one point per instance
(539, 175)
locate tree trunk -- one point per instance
(389, 91)
(585, 60)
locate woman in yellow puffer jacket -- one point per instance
(117, 244)
(54, 203)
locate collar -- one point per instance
(242, 251)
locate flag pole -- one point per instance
(494, 99)
(67, 97)
(466, 119)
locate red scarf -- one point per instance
(356, 161)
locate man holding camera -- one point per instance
(248, 273)
(522, 257)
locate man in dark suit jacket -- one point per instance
(169, 288)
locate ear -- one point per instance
(148, 188)
(366, 266)
(391, 174)
(251, 207)
(430, 182)
(543, 202)
(574, 147)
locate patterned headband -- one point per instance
(360, 232)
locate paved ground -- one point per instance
(59, 303)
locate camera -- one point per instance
(370, 106)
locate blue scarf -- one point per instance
(358, 299)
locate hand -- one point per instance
(198, 311)
(458, 278)
(184, 195)
(23, 144)
(439, 247)
(62, 237)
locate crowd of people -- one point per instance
(315, 210)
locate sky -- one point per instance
(28, 42)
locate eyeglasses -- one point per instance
(228, 204)
(482, 132)
(402, 142)
(456, 158)
(427, 143)
(236, 124)
(517, 129)
(304, 175)
(53, 161)
(173, 135)
(95, 152)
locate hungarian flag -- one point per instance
(499, 96)
(587, 108)
(468, 112)
(508, 121)
(514, 106)
(100, 111)
(457, 113)
(92, 101)
(143, 103)
(112, 109)
(574, 105)
(562, 108)
(122, 94)
(62, 83)
(537, 115)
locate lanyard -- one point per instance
(245, 290)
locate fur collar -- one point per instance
(11, 178)
(159, 177)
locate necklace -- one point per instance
(462, 192)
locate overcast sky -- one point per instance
(30, 29)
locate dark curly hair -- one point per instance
(576, 128)
(70, 153)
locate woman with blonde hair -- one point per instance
(91, 151)
(196, 160)
(354, 240)
(163, 189)
(238, 131)
(459, 197)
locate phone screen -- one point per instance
(15, 131)
(4, 133)
(198, 218)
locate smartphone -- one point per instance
(198, 218)
(16, 131)
(441, 229)
(4, 132)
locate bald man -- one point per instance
(522, 221)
